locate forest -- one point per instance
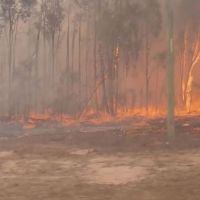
(99, 99)
(79, 57)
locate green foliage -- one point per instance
(123, 23)
(189, 12)
(53, 15)
(26, 7)
(119, 24)
(12, 10)
(152, 17)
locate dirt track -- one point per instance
(101, 162)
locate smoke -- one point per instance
(62, 57)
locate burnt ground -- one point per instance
(129, 159)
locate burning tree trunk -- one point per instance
(187, 84)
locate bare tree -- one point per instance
(152, 27)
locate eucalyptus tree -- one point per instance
(74, 58)
(170, 71)
(67, 79)
(53, 16)
(12, 11)
(188, 48)
(118, 34)
(152, 21)
(86, 19)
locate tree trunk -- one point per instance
(53, 57)
(104, 95)
(87, 46)
(95, 60)
(147, 72)
(68, 78)
(170, 73)
(72, 61)
(79, 64)
(10, 62)
(36, 93)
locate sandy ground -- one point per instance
(100, 163)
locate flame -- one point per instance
(35, 118)
(187, 84)
(51, 119)
(189, 93)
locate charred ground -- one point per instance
(127, 159)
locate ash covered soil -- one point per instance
(127, 159)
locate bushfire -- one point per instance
(97, 60)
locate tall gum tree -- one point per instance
(12, 11)
(152, 21)
(117, 31)
(188, 48)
